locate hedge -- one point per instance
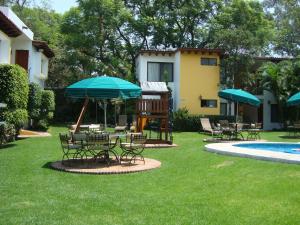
(13, 86)
(18, 117)
(14, 92)
(34, 100)
(183, 121)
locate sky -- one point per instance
(62, 6)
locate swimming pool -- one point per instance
(291, 148)
(274, 151)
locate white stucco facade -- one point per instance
(9, 45)
(268, 100)
(5, 48)
(142, 73)
(248, 113)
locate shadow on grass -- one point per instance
(47, 165)
(289, 137)
(5, 146)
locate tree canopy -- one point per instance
(105, 36)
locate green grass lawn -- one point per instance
(191, 187)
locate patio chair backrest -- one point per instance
(122, 120)
(79, 137)
(224, 123)
(138, 138)
(205, 124)
(99, 139)
(64, 139)
(258, 125)
(239, 126)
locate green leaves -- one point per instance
(286, 15)
(13, 86)
(41, 105)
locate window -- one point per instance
(208, 103)
(209, 61)
(223, 109)
(274, 113)
(160, 72)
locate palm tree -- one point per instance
(282, 79)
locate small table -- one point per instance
(236, 131)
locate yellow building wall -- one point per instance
(199, 80)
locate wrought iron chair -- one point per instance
(69, 148)
(81, 139)
(134, 148)
(254, 131)
(99, 146)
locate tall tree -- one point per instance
(286, 15)
(282, 79)
(91, 36)
(242, 30)
(181, 23)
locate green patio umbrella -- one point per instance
(294, 100)
(239, 96)
(102, 88)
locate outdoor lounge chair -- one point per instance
(122, 124)
(206, 126)
(224, 124)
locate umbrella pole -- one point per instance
(237, 112)
(84, 108)
(105, 107)
(96, 111)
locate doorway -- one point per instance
(22, 58)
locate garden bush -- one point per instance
(18, 118)
(46, 109)
(14, 92)
(183, 121)
(48, 103)
(34, 101)
(41, 104)
(7, 133)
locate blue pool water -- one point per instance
(275, 147)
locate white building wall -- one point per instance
(5, 48)
(37, 61)
(176, 90)
(20, 43)
(17, 22)
(268, 99)
(142, 67)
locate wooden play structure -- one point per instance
(155, 106)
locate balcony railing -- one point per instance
(151, 106)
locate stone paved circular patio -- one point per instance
(89, 166)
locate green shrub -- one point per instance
(7, 133)
(48, 102)
(18, 118)
(34, 101)
(42, 125)
(14, 92)
(13, 86)
(41, 104)
(183, 121)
